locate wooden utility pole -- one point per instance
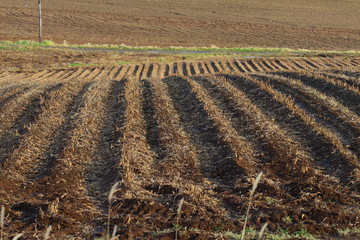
(40, 23)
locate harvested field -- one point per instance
(198, 131)
(299, 24)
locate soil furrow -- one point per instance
(67, 73)
(58, 143)
(266, 64)
(312, 64)
(144, 70)
(344, 96)
(179, 165)
(104, 170)
(273, 65)
(174, 69)
(216, 157)
(20, 114)
(129, 71)
(137, 71)
(221, 66)
(191, 69)
(229, 66)
(248, 66)
(253, 66)
(117, 73)
(152, 127)
(244, 66)
(136, 154)
(320, 63)
(216, 66)
(166, 70)
(283, 159)
(238, 67)
(334, 63)
(337, 81)
(13, 79)
(281, 65)
(258, 65)
(64, 189)
(325, 63)
(156, 71)
(101, 73)
(340, 63)
(184, 70)
(111, 72)
(122, 73)
(326, 110)
(208, 69)
(353, 73)
(244, 155)
(24, 161)
(351, 81)
(150, 70)
(298, 65)
(201, 68)
(11, 93)
(308, 64)
(301, 126)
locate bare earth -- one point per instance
(330, 25)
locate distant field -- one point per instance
(198, 131)
(329, 25)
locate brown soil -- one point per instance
(294, 24)
(198, 131)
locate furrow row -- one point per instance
(349, 157)
(346, 95)
(333, 111)
(68, 172)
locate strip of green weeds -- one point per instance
(213, 49)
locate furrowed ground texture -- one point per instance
(198, 131)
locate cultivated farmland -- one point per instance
(297, 24)
(198, 131)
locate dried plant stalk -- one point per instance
(255, 185)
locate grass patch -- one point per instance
(76, 64)
(189, 50)
(31, 43)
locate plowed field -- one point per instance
(297, 24)
(198, 131)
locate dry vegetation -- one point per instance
(185, 141)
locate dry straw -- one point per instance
(255, 184)
(17, 236)
(2, 220)
(47, 233)
(262, 231)
(110, 198)
(114, 232)
(178, 217)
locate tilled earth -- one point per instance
(294, 24)
(198, 131)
